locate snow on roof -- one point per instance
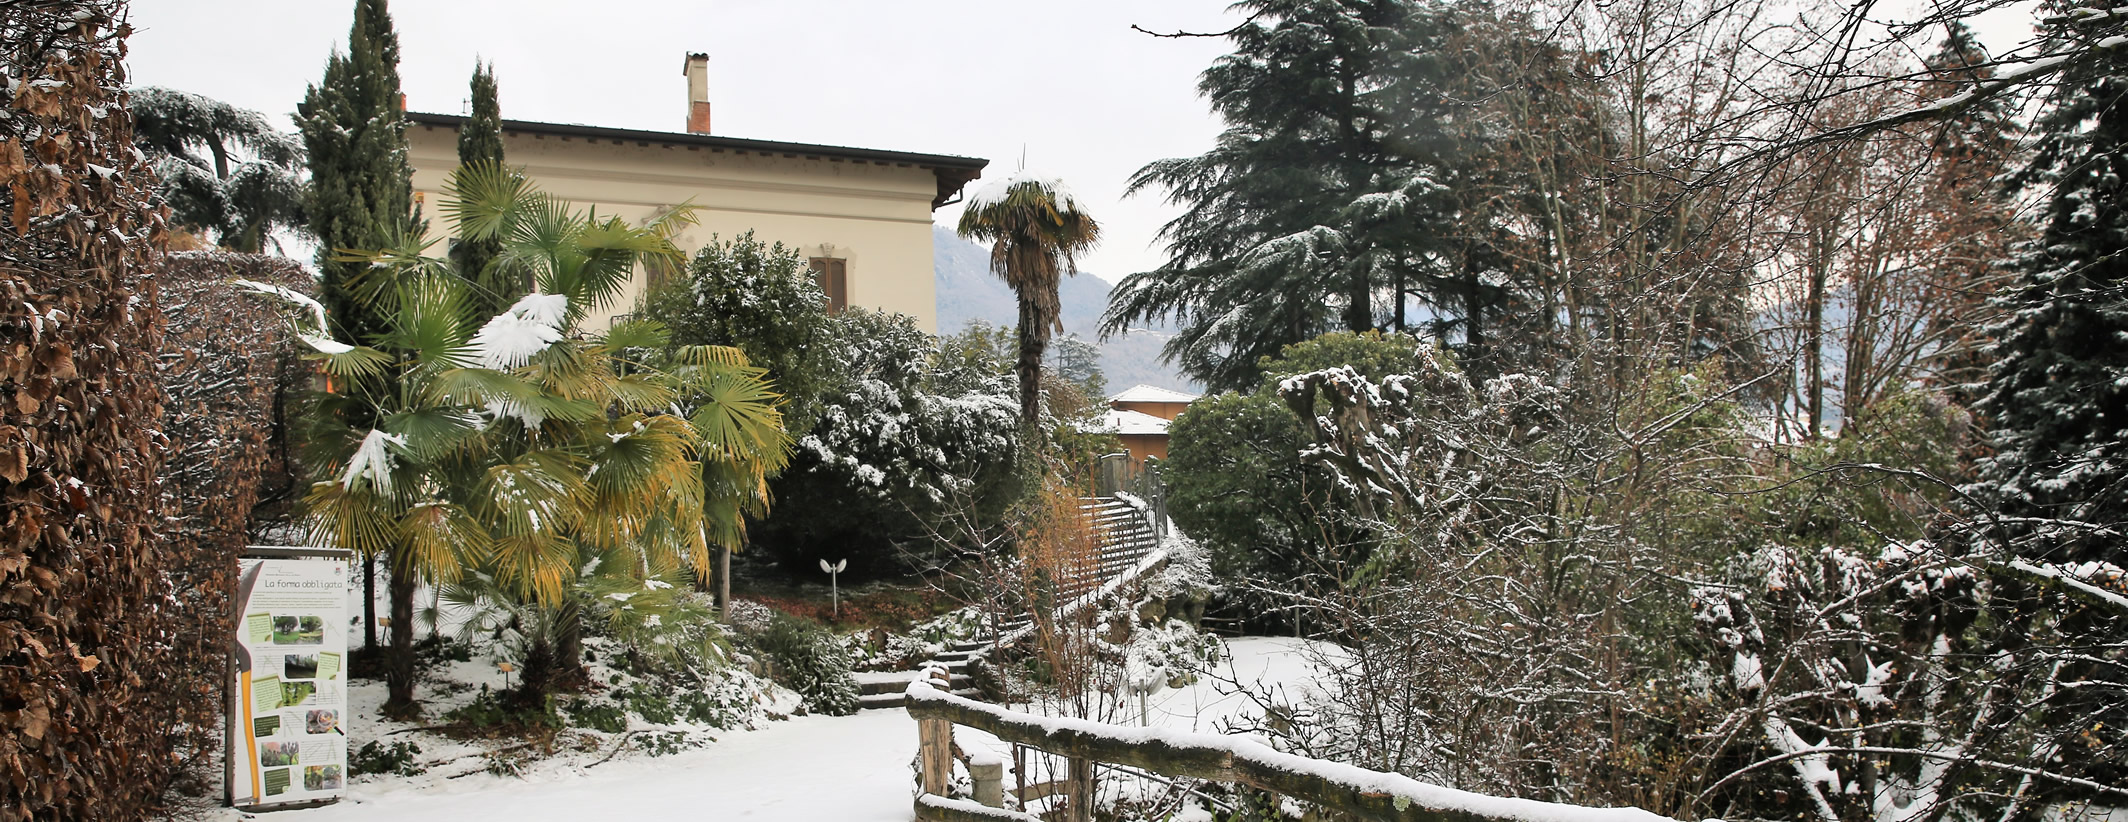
(1116, 421)
(1147, 393)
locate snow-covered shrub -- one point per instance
(903, 650)
(1237, 482)
(759, 298)
(898, 443)
(810, 660)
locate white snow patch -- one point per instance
(515, 336)
(372, 461)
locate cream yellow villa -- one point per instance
(861, 217)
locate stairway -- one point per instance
(1129, 547)
(884, 689)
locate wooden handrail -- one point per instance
(1363, 793)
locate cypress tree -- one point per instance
(480, 144)
(361, 188)
(361, 197)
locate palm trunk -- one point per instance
(399, 664)
(569, 650)
(724, 582)
(1034, 336)
(369, 603)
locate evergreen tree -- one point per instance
(361, 197)
(2057, 398)
(361, 188)
(480, 144)
(225, 171)
(1326, 186)
(2058, 394)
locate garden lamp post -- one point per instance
(834, 589)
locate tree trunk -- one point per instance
(1034, 336)
(369, 603)
(569, 649)
(1473, 314)
(1359, 302)
(724, 583)
(399, 662)
(1397, 321)
(1814, 347)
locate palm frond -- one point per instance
(441, 539)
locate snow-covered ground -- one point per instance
(852, 768)
(806, 768)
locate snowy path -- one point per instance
(849, 769)
(853, 768)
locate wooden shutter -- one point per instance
(833, 276)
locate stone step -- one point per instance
(882, 682)
(869, 702)
(962, 687)
(954, 655)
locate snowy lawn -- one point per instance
(806, 768)
(852, 768)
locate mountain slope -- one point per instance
(967, 291)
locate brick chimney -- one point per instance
(697, 72)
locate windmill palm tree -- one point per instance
(522, 450)
(1036, 231)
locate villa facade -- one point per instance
(861, 217)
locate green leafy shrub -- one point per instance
(398, 758)
(601, 716)
(808, 659)
(662, 743)
(491, 714)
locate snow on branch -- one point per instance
(2081, 579)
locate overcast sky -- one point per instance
(1069, 84)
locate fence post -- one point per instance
(934, 753)
(1081, 777)
(988, 779)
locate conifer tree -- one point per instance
(1326, 188)
(361, 188)
(480, 143)
(361, 197)
(2057, 396)
(2057, 399)
(226, 172)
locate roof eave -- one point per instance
(953, 172)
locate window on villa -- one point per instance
(832, 273)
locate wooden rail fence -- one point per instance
(1355, 792)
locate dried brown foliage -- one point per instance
(88, 696)
(228, 365)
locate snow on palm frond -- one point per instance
(317, 311)
(515, 336)
(1002, 190)
(372, 462)
(312, 333)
